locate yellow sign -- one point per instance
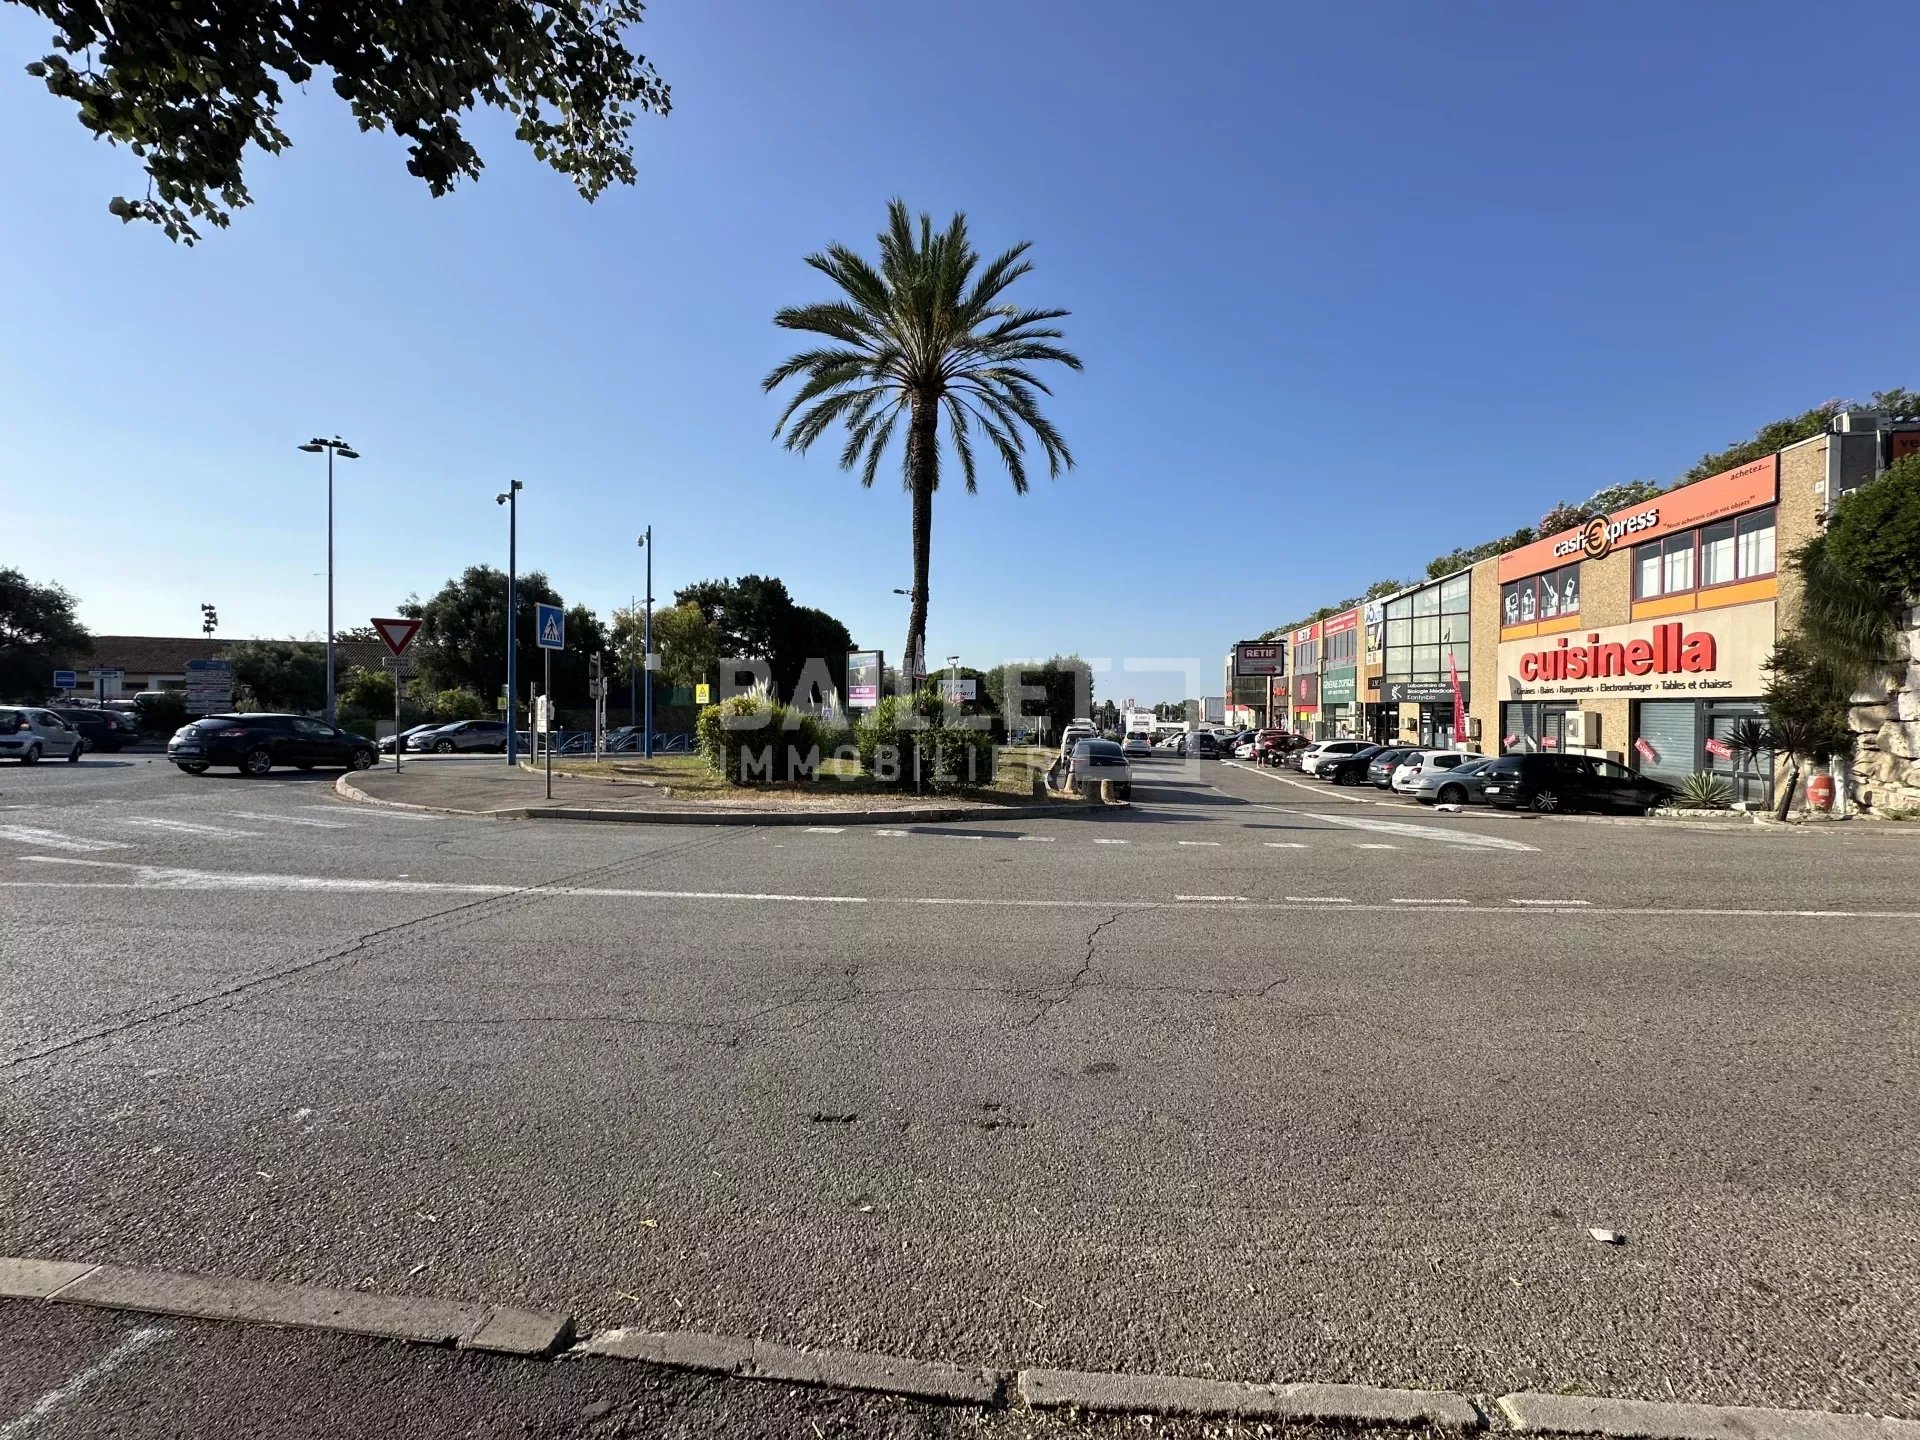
(702, 694)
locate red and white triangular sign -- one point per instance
(397, 633)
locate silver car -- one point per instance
(462, 735)
(1462, 785)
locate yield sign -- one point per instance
(397, 633)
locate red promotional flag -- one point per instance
(1459, 701)
(1647, 752)
(1717, 746)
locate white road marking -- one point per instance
(152, 877)
(1214, 843)
(1209, 897)
(895, 834)
(129, 1347)
(1113, 842)
(1365, 845)
(1283, 845)
(1549, 902)
(826, 829)
(953, 835)
(1318, 787)
(54, 840)
(286, 819)
(1410, 831)
(1424, 901)
(1036, 839)
(187, 827)
(384, 812)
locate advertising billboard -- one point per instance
(864, 671)
(1259, 657)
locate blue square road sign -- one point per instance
(550, 627)
(64, 680)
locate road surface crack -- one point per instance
(1057, 996)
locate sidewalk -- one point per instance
(499, 792)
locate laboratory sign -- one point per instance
(1698, 655)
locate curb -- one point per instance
(346, 790)
(540, 1334)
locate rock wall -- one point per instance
(1886, 728)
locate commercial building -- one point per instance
(1642, 635)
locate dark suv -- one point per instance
(105, 730)
(257, 743)
(1571, 782)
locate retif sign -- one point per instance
(1259, 657)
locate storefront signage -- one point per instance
(1719, 747)
(1338, 687)
(1647, 752)
(1341, 623)
(1728, 493)
(1251, 657)
(1710, 652)
(864, 669)
(1306, 692)
(1376, 621)
(1419, 692)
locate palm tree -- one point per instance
(920, 335)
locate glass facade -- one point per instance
(1723, 553)
(1423, 626)
(1541, 597)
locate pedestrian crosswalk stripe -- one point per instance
(54, 840)
(286, 819)
(187, 827)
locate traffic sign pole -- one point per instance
(546, 704)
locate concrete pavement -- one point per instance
(1236, 1082)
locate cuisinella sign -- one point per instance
(1595, 538)
(1671, 651)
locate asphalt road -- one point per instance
(1257, 1079)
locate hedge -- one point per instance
(752, 741)
(891, 737)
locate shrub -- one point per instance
(454, 705)
(892, 736)
(750, 740)
(1704, 790)
(162, 714)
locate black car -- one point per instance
(257, 743)
(1203, 745)
(1380, 768)
(104, 730)
(1548, 783)
(1348, 769)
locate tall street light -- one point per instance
(512, 501)
(645, 542)
(335, 446)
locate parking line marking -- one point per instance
(1214, 843)
(54, 840)
(1549, 902)
(1363, 845)
(826, 829)
(286, 819)
(129, 1346)
(1319, 900)
(1399, 900)
(187, 827)
(1409, 831)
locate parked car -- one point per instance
(1075, 732)
(257, 743)
(1572, 782)
(103, 730)
(1320, 750)
(1100, 766)
(30, 734)
(1423, 762)
(1381, 767)
(1138, 746)
(408, 736)
(1459, 786)
(463, 735)
(1347, 769)
(1202, 745)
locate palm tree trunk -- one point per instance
(1793, 784)
(923, 474)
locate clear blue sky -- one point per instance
(1432, 266)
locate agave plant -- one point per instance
(1704, 790)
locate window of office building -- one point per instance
(1723, 553)
(1541, 597)
(1341, 649)
(1424, 628)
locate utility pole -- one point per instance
(512, 501)
(209, 621)
(335, 446)
(646, 649)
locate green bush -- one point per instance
(749, 740)
(454, 705)
(162, 714)
(1704, 790)
(1875, 531)
(891, 736)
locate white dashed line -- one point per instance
(286, 819)
(1283, 844)
(1112, 842)
(1362, 845)
(1210, 897)
(1036, 839)
(1417, 901)
(894, 834)
(1214, 843)
(1319, 900)
(187, 827)
(826, 829)
(1549, 902)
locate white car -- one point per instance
(1311, 757)
(29, 734)
(1137, 746)
(1406, 775)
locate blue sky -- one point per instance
(1354, 285)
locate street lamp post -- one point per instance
(511, 499)
(646, 651)
(335, 446)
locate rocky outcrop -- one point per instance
(1886, 733)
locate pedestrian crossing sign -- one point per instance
(550, 626)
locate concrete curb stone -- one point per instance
(22, 1279)
(833, 1369)
(1664, 1420)
(1182, 1395)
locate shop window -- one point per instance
(1399, 662)
(1454, 594)
(1541, 597)
(1722, 553)
(1427, 601)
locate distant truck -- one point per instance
(1213, 710)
